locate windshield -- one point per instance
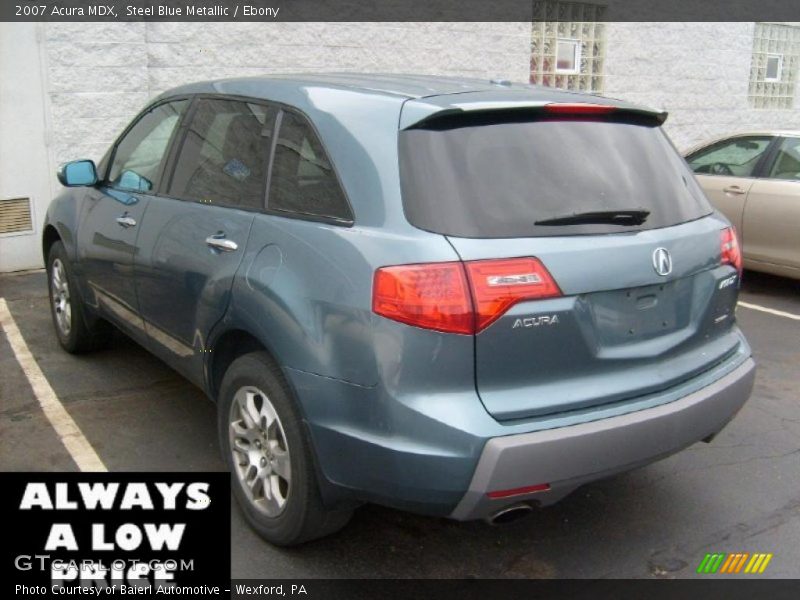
(497, 179)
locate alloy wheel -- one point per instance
(259, 451)
(60, 297)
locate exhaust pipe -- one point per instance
(510, 513)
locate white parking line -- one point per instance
(68, 431)
(771, 311)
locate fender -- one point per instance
(64, 215)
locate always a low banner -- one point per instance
(115, 534)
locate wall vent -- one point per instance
(15, 215)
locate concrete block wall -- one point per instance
(699, 72)
(97, 80)
(100, 75)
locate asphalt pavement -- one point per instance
(741, 493)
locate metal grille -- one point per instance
(773, 70)
(568, 21)
(15, 215)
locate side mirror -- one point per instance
(77, 173)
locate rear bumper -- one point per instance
(568, 457)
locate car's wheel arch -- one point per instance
(231, 343)
(61, 223)
(57, 232)
(226, 345)
(50, 236)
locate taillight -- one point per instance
(431, 296)
(730, 252)
(499, 284)
(578, 108)
(456, 297)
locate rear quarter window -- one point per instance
(302, 180)
(496, 178)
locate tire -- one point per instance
(75, 332)
(267, 450)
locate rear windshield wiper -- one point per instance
(630, 217)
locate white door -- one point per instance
(26, 178)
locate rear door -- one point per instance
(195, 233)
(726, 171)
(114, 210)
(614, 217)
(772, 212)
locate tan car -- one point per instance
(754, 179)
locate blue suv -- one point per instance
(455, 297)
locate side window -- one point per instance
(224, 156)
(737, 157)
(138, 156)
(302, 179)
(787, 162)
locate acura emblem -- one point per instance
(662, 261)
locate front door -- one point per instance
(193, 239)
(772, 213)
(725, 171)
(114, 210)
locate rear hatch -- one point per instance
(639, 300)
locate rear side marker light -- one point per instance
(455, 297)
(730, 252)
(529, 489)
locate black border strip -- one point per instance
(397, 10)
(709, 588)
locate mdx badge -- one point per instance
(662, 261)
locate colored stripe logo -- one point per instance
(733, 563)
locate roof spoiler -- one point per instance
(487, 111)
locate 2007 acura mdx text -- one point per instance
(454, 297)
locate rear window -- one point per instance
(496, 179)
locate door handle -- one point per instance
(218, 242)
(126, 221)
(734, 189)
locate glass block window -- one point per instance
(568, 45)
(773, 70)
